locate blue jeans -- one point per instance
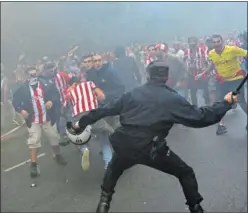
(102, 138)
(102, 130)
(63, 120)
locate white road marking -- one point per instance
(23, 163)
(11, 131)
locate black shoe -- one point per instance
(196, 209)
(60, 160)
(221, 129)
(104, 203)
(34, 170)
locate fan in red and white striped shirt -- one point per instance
(84, 97)
(40, 113)
(197, 61)
(150, 54)
(233, 42)
(61, 82)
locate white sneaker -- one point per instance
(85, 163)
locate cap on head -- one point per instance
(158, 71)
(162, 47)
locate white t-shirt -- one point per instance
(180, 54)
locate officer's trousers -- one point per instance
(168, 163)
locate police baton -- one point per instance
(237, 91)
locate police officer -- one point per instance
(147, 114)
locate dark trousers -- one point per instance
(229, 86)
(58, 124)
(168, 163)
(194, 86)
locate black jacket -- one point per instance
(107, 80)
(128, 72)
(22, 101)
(151, 110)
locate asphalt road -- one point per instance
(220, 164)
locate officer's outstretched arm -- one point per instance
(110, 109)
(182, 112)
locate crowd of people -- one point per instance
(52, 92)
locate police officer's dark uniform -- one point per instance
(147, 113)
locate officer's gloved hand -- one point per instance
(73, 128)
(69, 125)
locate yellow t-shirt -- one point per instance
(227, 64)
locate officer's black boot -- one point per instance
(104, 203)
(196, 209)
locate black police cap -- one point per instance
(158, 69)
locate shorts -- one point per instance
(229, 86)
(35, 133)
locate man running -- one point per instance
(224, 59)
(36, 100)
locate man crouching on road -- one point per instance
(147, 114)
(36, 101)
